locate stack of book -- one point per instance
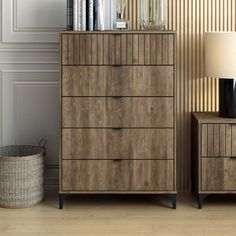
(86, 15)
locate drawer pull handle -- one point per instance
(117, 160)
(233, 157)
(117, 97)
(117, 128)
(117, 65)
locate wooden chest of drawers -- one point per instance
(214, 155)
(118, 113)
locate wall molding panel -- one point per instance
(10, 81)
(29, 57)
(44, 29)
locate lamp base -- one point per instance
(227, 98)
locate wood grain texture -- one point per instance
(212, 118)
(105, 175)
(196, 149)
(121, 215)
(218, 140)
(117, 81)
(214, 160)
(218, 174)
(117, 112)
(204, 139)
(64, 57)
(233, 140)
(117, 49)
(121, 144)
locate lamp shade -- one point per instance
(220, 55)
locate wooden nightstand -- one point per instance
(213, 155)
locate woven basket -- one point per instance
(21, 175)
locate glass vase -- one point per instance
(153, 14)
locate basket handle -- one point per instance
(43, 142)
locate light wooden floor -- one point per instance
(122, 215)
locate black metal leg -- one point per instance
(61, 200)
(201, 198)
(173, 198)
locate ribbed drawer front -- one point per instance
(110, 175)
(218, 140)
(117, 81)
(117, 112)
(218, 174)
(117, 143)
(117, 49)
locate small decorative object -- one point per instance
(21, 175)
(120, 23)
(153, 14)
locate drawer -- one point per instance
(116, 175)
(117, 112)
(117, 81)
(117, 143)
(117, 49)
(218, 174)
(218, 140)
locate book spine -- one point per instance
(89, 15)
(79, 17)
(83, 15)
(95, 14)
(69, 14)
(75, 15)
(100, 15)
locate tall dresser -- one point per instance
(118, 113)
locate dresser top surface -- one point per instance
(120, 32)
(212, 117)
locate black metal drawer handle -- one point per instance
(117, 128)
(116, 65)
(117, 97)
(117, 160)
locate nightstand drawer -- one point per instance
(118, 143)
(117, 81)
(218, 174)
(117, 175)
(112, 112)
(117, 49)
(218, 140)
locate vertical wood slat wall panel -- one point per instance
(191, 18)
